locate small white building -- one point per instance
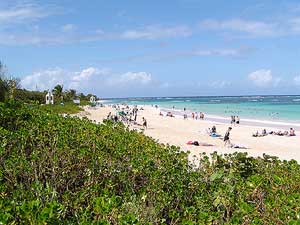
(76, 101)
(93, 99)
(49, 98)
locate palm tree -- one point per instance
(58, 91)
(72, 93)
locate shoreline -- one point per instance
(177, 131)
(280, 124)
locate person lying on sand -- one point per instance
(285, 133)
(170, 114)
(238, 146)
(197, 143)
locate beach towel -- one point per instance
(205, 144)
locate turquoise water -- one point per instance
(275, 108)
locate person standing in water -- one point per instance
(237, 120)
(232, 119)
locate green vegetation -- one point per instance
(56, 170)
(30, 96)
(4, 84)
(68, 108)
(10, 89)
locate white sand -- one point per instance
(177, 131)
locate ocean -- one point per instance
(270, 108)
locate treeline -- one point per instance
(10, 88)
(59, 96)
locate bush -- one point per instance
(67, 171)
(68, 108)
(30, 96)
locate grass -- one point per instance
(68, 107)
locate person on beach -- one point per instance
(144, 123)
(214, 130)
(226, 137)
(185, 116)
(193, 115)
(135, 115)
(232, 119)
(170, 114)
(109, 116)
(202, 115)
(292, 132)
(237, 121)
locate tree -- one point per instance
(4, 88)
(72, 93)
(58, 91)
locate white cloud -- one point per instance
(283, 26)
(39, 36)
(22, 12)
(255, 28)
(264, 78)
(44, 80)
(218, 52)
(141, 77)
(226, 52)
(87, 80)
(68, 27)
(156, 32)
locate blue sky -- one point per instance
(153, 48)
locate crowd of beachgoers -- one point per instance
(208, 133)
(129, 116)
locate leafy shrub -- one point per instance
(68, 107)
(30, 96)
(67, 171)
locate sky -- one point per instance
(139, 48)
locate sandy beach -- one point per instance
(177, 131)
